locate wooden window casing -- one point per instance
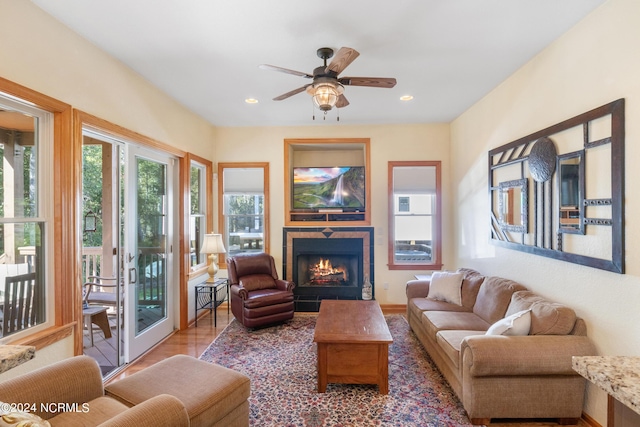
(435, 263)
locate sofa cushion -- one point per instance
(419, 305)
(468, 272)
(435, 321)
(267, 298)
(547, 318)
(470, 286)
(161, 410)
(450, 342)
(256, 282)
(446, 286)
(494, 298)
(99, 410)
(515, 324)
(253, 263)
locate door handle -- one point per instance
(133, 275)
(130, 257)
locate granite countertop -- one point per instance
(617, 375)
(14, 355)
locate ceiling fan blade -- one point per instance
(345, 56)
(285, 70)
(342, 101)
(388, 82)
(290, 93)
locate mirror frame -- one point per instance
(544, 236)
(505, 188)
(580, 229)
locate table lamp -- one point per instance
(212, 245)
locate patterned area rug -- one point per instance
(281, 362)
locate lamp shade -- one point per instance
(325, 94)
(212, 244)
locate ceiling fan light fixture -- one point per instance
(325, 94)
(327, 88)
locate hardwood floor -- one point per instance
(105, 350)
(193, 341)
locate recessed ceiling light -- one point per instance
(251, 101)
(406, 98)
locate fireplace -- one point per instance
(327, 263)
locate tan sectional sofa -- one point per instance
(501, 376)
(70, 393)
(179, 391)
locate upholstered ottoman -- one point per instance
(213, 395)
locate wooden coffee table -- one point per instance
(353, 344)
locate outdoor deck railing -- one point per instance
(151, 272)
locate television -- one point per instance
(341, 187)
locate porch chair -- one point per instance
(258, 297)
(101, 291)
(19, 305)
(96, 294)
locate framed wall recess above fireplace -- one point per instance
(327, 182)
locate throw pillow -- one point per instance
(517, 324)
(446, 286)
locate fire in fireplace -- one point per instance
(327, 270)
(323, 273)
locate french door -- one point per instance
(128, 230)
(103, 160)
(149, 233)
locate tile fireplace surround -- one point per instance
(330, 240)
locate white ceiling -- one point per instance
(205, 53)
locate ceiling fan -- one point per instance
(327, 88)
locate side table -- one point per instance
(210, 294)
(97, 315)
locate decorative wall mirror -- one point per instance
(570, 181)
(513, 203)
(573, 209)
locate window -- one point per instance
(414, 216)
(244, 206)
(26, 138)
(197, 214)
(404, 204)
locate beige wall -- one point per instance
(399, 142)
(594, 63)
(42, 54)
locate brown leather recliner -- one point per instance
(258, 297)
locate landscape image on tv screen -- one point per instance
(333, 187)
